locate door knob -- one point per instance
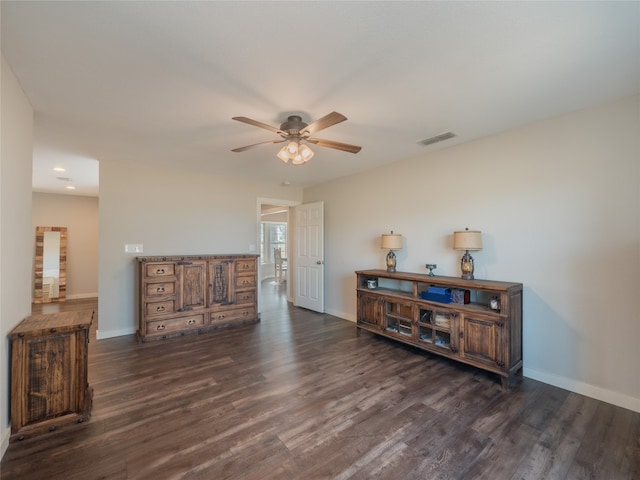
(319, 262)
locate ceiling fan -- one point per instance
(294, 131)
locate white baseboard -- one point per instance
(6, 434)
(586, 389)
(102, 334)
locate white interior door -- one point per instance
(309, 256)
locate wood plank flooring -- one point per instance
(300, 396)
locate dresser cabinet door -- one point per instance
(220, 288)
(192, 285)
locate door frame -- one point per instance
(281, 203)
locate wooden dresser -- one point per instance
(191, 294)
(49, 383)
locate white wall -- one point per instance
(80, 215)
(170, 212)
(558, 203)
(16, 237)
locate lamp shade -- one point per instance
(467, 240)
(391, 241)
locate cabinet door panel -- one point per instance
(220, 289)
(51, 377)
(481, 339)
(192, 281)
(368, 310)
(397, 317)
(437, 327)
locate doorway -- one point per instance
(274, 233)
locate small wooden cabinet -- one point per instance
(483, 330)
(182, 295)
(49, 367)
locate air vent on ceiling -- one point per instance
(437, 138)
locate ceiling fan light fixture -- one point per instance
(292, 148)
(283, 154)
(298, 154)
(306, 152)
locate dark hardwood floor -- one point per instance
(300, 396)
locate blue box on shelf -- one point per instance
(438, 290)
(437, 297)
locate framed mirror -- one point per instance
(50, 265)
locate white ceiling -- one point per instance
(158, 82)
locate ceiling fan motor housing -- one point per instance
(293, 125)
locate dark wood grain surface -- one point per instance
(301, 396)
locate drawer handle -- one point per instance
(244, 282)
(245, 313)
(220, 317)
(160, 270)
(160, 327)
(160, 289)
(191, 322)
(160, 309)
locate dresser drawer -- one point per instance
(247, 313)
(245, 281)
(160, 308)
(158, 289)
(155, 270)
(248, 265)
(174, 324)
(246, 297)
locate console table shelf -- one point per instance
(482, 326)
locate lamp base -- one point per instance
(391, 262)
(466, 265)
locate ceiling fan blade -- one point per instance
(242, 149)
(256, 123)
(337, 145)
(324, 122)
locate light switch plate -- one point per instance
(133, 248)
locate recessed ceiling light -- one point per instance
(59, 169)
(70, 187)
